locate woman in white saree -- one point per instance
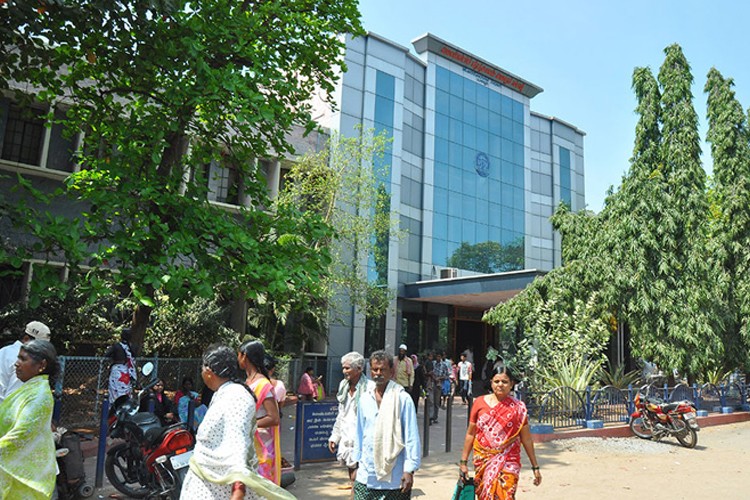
(224, 465)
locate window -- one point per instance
(27, 140)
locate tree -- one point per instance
(341, 184)
(730, 219)
(648, 258)
(488, 257)
(162, 89)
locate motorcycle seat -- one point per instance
(670, 406)
(157, 434)
(154, 435)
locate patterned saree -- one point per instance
(27, 450)
(267, 440)
(497, 450)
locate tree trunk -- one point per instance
(141, 317)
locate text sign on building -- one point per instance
(314, 425)
(435, 45)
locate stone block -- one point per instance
(542, 429)
(594, 424)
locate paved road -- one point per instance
(624, 468)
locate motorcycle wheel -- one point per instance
(639, 428)
(119, 467)
(685, 434)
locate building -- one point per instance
(475, 175)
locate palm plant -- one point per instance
(617, 377)
(577, 373)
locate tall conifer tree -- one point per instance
(730, 228)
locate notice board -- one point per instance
(313, 428)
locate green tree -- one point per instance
(162, 89)
(341, 184)
(488, 257)
(730, 218)
(647, 258)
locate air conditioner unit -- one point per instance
(448, 272)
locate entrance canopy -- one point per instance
(482, 291)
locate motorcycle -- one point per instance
(654, 419)
(152, 461)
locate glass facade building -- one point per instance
(475, 175)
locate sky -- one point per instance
(583, 53)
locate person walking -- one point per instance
(440, 375)
(465, 371)
(27, 449)
(306, 389)
(350, 390)
(387, 445)
(224, 465)
(403, 369)
(122, 373)
(9, 355)
(251, 359)
(419, 381)
(498, 426)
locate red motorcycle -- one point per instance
(152, 460)
(654, 419)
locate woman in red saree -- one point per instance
(498, 426)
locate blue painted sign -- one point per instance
(314, 425)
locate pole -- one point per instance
(100, 455)
(448, 422)
(426, 426)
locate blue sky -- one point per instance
(583, 55)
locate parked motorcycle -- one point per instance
(152, 460)
(654, 419)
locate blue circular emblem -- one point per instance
(482, 164)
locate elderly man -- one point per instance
(351, 388)
(387, 438)
(9, 354)
(403, 371)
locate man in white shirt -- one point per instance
(465, 370)
(9, 354)
(344, 431)
(387, 445)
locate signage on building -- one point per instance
(435, 45)
(482, 164)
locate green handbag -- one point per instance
(464, 488)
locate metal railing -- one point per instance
(564, 407)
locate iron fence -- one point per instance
(565, 407)
(84, 380)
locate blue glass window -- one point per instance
(442, 79)
(442, 125)
(441, 200)
(385, 85)
(495, 100)
(470, 90)
(442, 102)
(439, 251)
(441, 150)
(565, 191)
(507, 106)
(441, 174)
(384, 111)
(441, 226)
(457, 85)
(518, 111)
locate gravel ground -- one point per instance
(583, 468)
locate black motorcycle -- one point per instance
(152, 460)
